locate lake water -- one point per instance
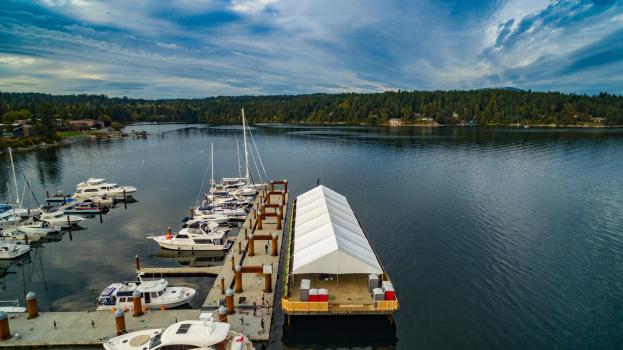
(494, 238)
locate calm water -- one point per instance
(494, 238)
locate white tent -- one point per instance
(328, 238)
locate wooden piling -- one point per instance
(5, 331)
(222, 314)
(251, 246)
(238, 279)
(274, 243)
(136, 301)
(31, 305)
(229, 301)
(137, 262)
(120, 322)
(268, 283)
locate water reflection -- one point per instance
(192, 259)
(322, 332)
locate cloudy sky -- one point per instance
(198, 48)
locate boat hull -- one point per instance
(171, 244)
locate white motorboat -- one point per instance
(59, 218)
(13, 234)
(10, 221)
(40, 228)
(193, 334)
(211, 218)
(196, 236)
(155, 294)
(10, 250)
(99, 187)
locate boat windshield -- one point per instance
(155, 341)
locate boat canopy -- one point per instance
(195, 333)
(328, 237)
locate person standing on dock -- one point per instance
(266, 248)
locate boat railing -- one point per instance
(6, 303)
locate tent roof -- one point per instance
(328, 237)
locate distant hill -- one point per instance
(505, 105)
(506, 88)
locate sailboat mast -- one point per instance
(246, 152)
(14, 177)
(238, 156)
(212, 164)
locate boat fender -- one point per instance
(238, 343)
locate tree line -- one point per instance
(484, 107)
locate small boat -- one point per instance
(86, 207)
(58, 198)
(61, 219)
(196, 236)
(194, 334)
(10, 250)
(13, 234)
(98, 187)
(11, 307)
(155, 294)
(211, 218)
(7, 211)
(40, 228)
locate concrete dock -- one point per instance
(253, 307)
(82, 328)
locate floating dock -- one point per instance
(180, 271)
(82, 328)
(250, 270)
(251, 266)
(331, 267)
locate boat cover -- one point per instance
(328, 237)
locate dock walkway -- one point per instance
(246, 315)
(82, 328)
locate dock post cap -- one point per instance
(31, 295)
(136, 294)
(238, 268)
(3, 315)
(229, 292)
(222, 310)
(250, 236)
(274, 234)
(119, 313)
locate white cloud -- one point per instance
(168, 45)
(13, 60)
(251, 5)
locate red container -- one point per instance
(313, 294)
(323, 297)
(390, 295)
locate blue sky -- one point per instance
(198, 48)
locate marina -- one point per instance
(425, 224)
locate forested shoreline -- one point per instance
(483, 107)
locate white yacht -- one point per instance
(12, 233)
(64, 221)
(196, 236)
(40, 228)
(155, 294)
(210, 218)
(99, 187)
(10, 250)
(203, 334)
